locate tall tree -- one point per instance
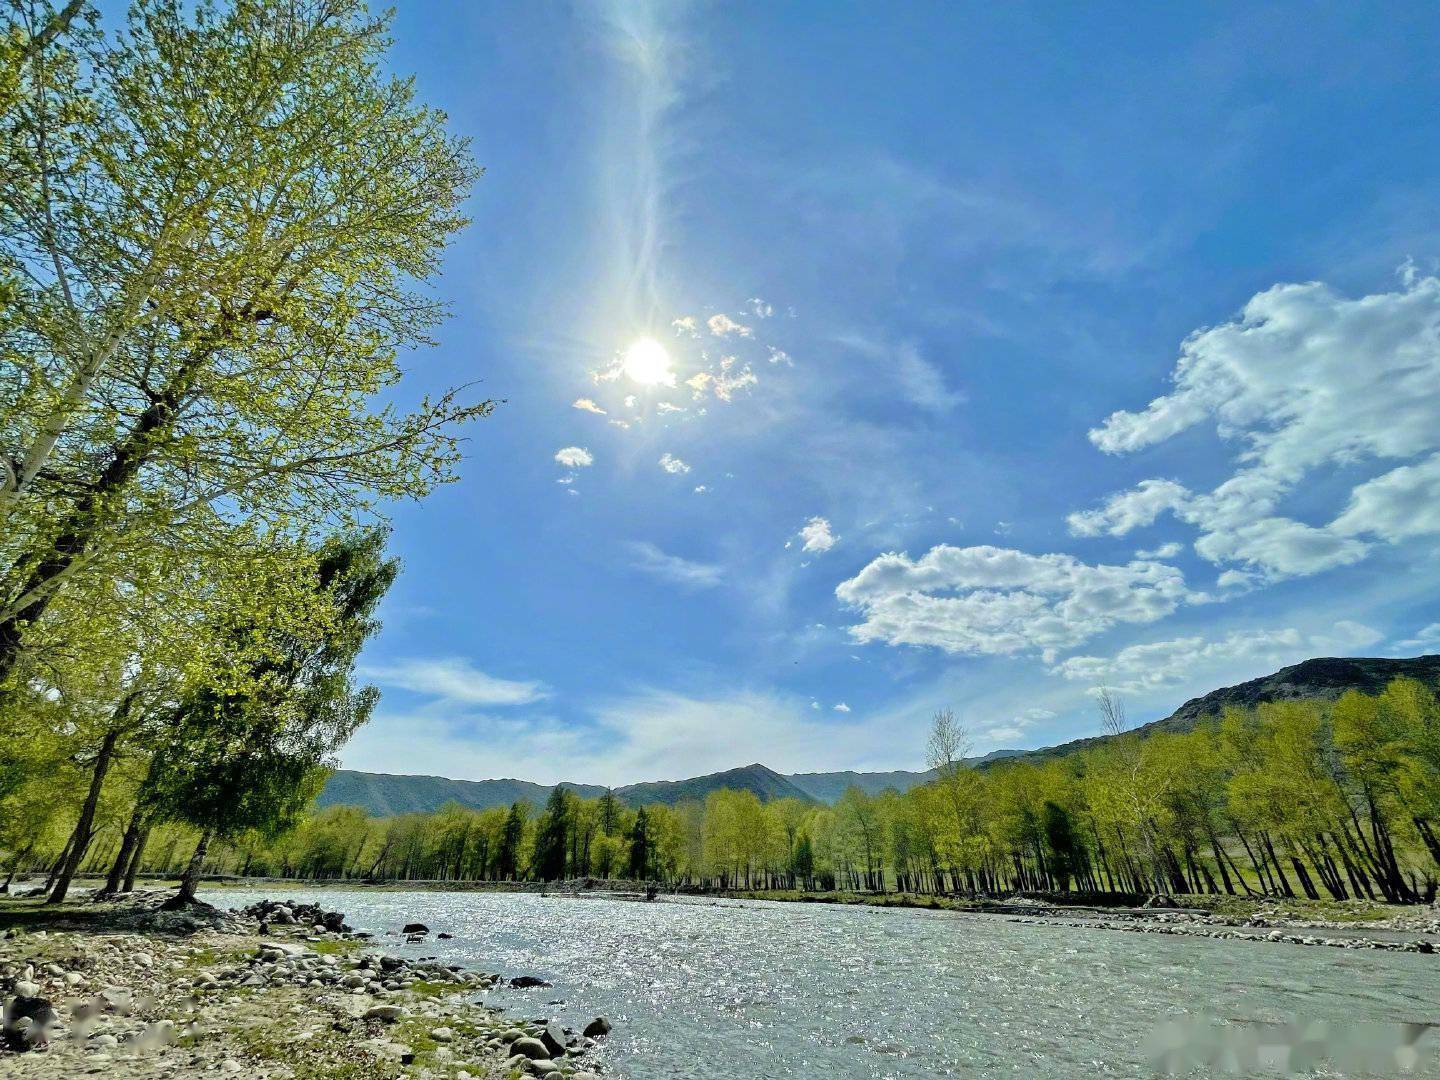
(214, 229)
(252, 753)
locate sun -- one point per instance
(648, 362)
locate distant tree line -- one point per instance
(1303, 798)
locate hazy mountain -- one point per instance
(826, 787)
(1327, 677)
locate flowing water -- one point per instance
(750, 990)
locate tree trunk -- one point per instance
(121, 864)
(188, 880)
(134, 866)
(84, 827)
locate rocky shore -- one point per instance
(280, 990)
(1416, 931)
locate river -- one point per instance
(751, 990)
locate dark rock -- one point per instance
(524, 982)
(444, 937)
(391, 963)
(555, 1039)
(415, 928)
(597, 1027)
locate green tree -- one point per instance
(214, 233)
(251, 756)
(552, 836)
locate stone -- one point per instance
(531, 1048)
(442, 1034)
(386, 1013)
(555, 1039)
(524, 982)
(596, 1028)
(415, 928)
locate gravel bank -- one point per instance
(286, 992)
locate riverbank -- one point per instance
(279, 992)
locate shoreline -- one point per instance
(1337, 924)
(280, 991)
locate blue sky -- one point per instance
(910, 281)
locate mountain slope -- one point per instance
(386, 794)
(827, 787)
(765, 783)
(1324, 677)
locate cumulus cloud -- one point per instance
(815, 535)
(1303, 380)
(840, 706)
(1156, 664)
(574, 457)
(672, 464)
(587, 405)
(686, 325)
(998, 601)
(724, 326)
(455, 680)
(759, 308)
(648, 558)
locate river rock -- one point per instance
(596, 1028)
(533, 1049)
(555, 1039)
(524, 982)
(415, 928)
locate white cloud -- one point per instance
(667, 407)
(994, 732)
(574, 457)
(1150, 666)
(1303, 380)
(1164, 551)
(724, 326)
(780, 356)
(686, 325)
(1426, 640)
(840, 706)
(1397, 505)
(673, 465)
(998, 600)
(587, 405)
(454, 680)
(817, 536)
(760, 309)
(648, 558)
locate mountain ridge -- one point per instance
(386, 794)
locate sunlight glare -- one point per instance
(648, 362)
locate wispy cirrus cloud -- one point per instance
(650, 559)
(454, 680)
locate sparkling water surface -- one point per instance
(698, 988)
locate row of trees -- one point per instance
(1305, 798)
(216, 230)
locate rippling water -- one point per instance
(763, 990)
